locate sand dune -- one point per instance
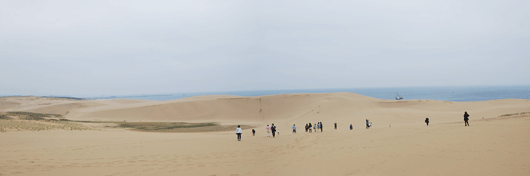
(342, 108)
(43, 105)
(493, 146)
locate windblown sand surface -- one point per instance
(490, 146)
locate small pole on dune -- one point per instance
(260, 110)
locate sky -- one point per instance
(92, 48)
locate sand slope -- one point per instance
(497, 147)
(43, 105)
(285, 110)
(493, 146)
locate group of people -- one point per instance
(466, 119)
(315, 127)
(270, 129)
(318, 127)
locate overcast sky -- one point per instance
(152, 47)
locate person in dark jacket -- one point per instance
(273, 130)
(427, 121)
(306, 127)
(367, 124)
(466, 118)
(351, 127)
(335, 125)
(321, 127)
(310, 126)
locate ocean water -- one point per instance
(458, 94)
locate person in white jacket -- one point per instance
(268, 131)
(238, 132)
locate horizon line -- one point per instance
(232, 91)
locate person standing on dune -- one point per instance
(268, 131)
(321, 126)
(367, 124)
(351, 127)
(273, 129)
(238, 132)
(306, 127)
(427, 121)
(294, 128)
(466, 118)
(310, 127)
(253, 132)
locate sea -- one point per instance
(454, 93)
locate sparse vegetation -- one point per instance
(163, 125)
(4, 117)
(178, 127)
(27, 125)
(514, 114)
(39, 122)
(29, 121)
(33, 116)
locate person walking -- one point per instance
(294, 128)
(367, 124)
(335, 125)
(310, 127)
(306, 127)
(238, 132)
(273, 129)
(427, 121)
(253, 132)
(321, 126)
(351, 127)
(466, 118)
(268, 131)
(315, 127)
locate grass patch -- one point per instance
(30, 125)
(29, 121)
(514, 114)
(178, 127)
(33, 116)
(163, 125)
(4, 117)
(39, 122)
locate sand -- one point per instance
(489, 146)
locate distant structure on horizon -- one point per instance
(399, 97)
